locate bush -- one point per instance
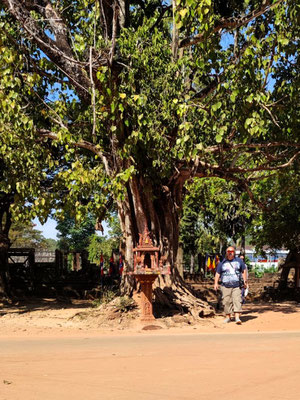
(259, 271)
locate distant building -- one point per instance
(271, 258)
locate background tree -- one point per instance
(150, 95)
(277, 224)
(73, 236)
(25, 235)
(106, 245)
(215, 213)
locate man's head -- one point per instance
(230, 253)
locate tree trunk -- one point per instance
(292, 261)
(201, 265)
(192, 265)
(5, 223)
(158, 210)
(4, 278)
(179, 261)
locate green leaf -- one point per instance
(216, 106)
(233, 96)
(219, 138)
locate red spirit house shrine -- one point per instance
(147, 267)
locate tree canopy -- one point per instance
(134, 98)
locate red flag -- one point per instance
(111, 266)
(121, 265)
(101, 265)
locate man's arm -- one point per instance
(245, 277)
(217, 277)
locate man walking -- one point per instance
(231, 270)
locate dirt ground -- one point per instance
(50, 318)
(52, 351)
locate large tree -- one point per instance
(145, 95)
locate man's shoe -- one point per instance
(226, 320)
(238, 321)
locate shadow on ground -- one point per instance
(36, 304)
(283, 307)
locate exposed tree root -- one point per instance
(173, 295)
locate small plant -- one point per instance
(106, 297)
(125, 303)
(96, 303)
(271, 270)
(258, 271)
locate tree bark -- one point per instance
(179, 261)
(192, 266)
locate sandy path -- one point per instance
(152, 367)
(59, 321)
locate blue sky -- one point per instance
(49, 228)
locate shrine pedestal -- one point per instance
(146, 281)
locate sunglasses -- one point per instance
(230, 252)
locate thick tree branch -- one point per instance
(159, 19)
(114, 33)
(58, 51)
(244, 170)
(174, 32)
(55, 21)
(220, 148)
(82, 144)
(201, 168)
(271, 115)
(265, 145)
(104, 20)
(230, 24)
(203, 93)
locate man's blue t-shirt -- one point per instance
(230, 272)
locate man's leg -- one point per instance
(237, 304)
(227, 302)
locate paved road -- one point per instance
(258, 366)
